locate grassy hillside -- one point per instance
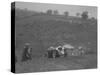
(48, 29)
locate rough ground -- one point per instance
(41, 64)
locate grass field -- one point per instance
(40, 64)
(42, 31)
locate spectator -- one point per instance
(27, 53)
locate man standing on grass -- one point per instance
(27, 53)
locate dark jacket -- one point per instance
(26, 55)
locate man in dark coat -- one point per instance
(27, 53)
(52, 52)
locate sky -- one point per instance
(72, 9)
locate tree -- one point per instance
(78, 14)
(55, 12)
(92, 18)
(66, 13)
(84, 15)
(49, 12)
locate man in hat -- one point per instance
(27, 53)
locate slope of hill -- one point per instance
(50, 29)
